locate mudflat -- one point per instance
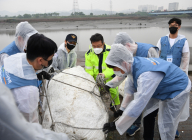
(94, 24)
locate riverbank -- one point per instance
(96, 24)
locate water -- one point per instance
(145, 35)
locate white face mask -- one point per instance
(118, 73)
(97, 50)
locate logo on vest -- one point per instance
(5, 76)
(1, 76)
(153, 61)
(8, 77)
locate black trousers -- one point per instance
(149, 125)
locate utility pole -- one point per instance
(111, 6)
(75, 6)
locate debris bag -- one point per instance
(76, 106)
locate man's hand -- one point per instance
(103, 75)
(109, 127)
(45, 75)
(118, 113)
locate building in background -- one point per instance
(147, 8)
(160, 8)
(173, 6)
(189, 8)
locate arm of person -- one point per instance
(116, 81)
(153, 53)
(147, 84)
(159, 46)
(185, 58)
(13, 122)
(61, 60)
(74, 60)
(2, 57)
(55, 62)
(27, 99)
(88, 65)
(108, 72)
(129, 91)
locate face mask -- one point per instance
(173, 30)
(70, 46)
(49, 63)
(118, 73)
(97, 50)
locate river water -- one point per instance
(145, 35)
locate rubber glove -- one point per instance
(109, 127)
(45, 75)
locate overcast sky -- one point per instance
(41, 6)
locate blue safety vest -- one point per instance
(12, 81)
(173, 83)
(143, 49)
(10, 49)
(175, 50)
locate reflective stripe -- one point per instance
(96, 67)
(88, 67)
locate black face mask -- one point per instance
(70, 46)
(49, 63)
(173, 30)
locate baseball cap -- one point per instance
(71, 38)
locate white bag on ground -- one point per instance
(75, 107)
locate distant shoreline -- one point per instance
(92, 23)
(32, 20)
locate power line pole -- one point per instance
(111, 6)
(75, 6)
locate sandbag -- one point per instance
(75, 111)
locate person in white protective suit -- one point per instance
(138, 49)
(175, 48)
(153, 81)
(13, 125)
(23, 32)
(66, 56)
(19, 74)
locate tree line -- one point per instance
(35, 15)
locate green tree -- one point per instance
(20, 16)
(55, 14)
(120, 14)
(27, 16)
(44, 15)
(91, 14)
(81, 14)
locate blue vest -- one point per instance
(10, 49)
(173, 83)
(12, 81)
(143, 49)
(175, 51)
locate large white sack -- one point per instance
(75, 107)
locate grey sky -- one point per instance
(65, 5)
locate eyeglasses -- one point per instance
(46, 60)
